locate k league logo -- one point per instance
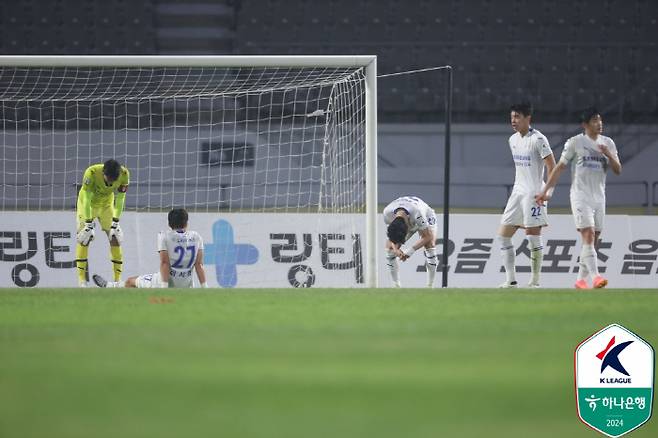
(610, 357)
(614, 377)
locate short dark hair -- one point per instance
(397, 230)
(177, 218)
(588, 113)
(524, 108)
(112, 169)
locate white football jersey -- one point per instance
(183, 248)
(421, 215)
(528, 153)
(588, 166)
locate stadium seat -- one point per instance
(605, 48)
(644, 101)
(623, 20)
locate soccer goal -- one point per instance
(275, 157)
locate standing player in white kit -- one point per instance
(404, 217)
(530, 151)
(182, 246)
(590, 155)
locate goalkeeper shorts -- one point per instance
(104, 213)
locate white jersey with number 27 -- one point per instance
(182, 248)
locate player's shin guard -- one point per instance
(116, 256)
(81, 262)
(431, 262)
(588, 258)
(536, 256)
(507, 255)
(393, 268)
(583, 272)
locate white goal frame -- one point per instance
(368, 62)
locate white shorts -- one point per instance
(431, 221)
(523, 211)
(149, 281)
(588, 214)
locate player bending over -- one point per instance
(530, 151)
(590, 155)
(96, 200)
(404, 217)
(186, 249)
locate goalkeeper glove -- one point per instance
(86, 234)
(116, 231)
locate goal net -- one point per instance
(268, 154)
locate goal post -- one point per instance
(272, 134)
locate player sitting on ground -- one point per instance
(186, 247)
(404, 217)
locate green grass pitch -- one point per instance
(302, 363)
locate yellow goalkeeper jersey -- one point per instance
(95, 192)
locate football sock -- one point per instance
(120, 283)
(507, 255)
(588, 258)
(393, 268)
(116, 256)
(583, 272)
(431, 262)
(536, 256)
(81, 262)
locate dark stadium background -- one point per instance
(561, 56)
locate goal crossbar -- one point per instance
(187, 61)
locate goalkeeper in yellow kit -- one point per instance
(96, 199)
